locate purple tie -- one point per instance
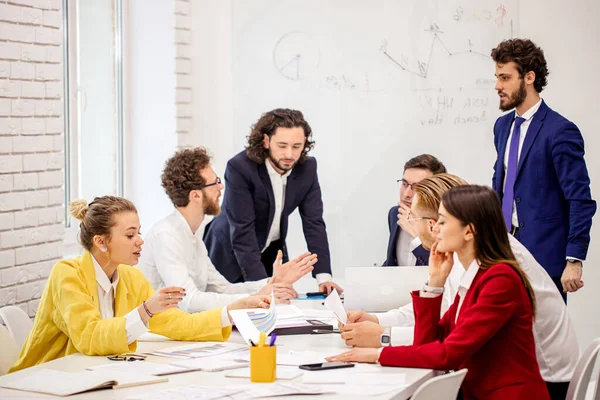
(511, 173)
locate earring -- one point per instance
(103, 249)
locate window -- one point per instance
(93, 101)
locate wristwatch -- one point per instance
(572, 260)
(386, 337)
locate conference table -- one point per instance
(330, 344)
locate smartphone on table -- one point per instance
(326, 365)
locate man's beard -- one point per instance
(279, 166)
(212, 208)
(516, 99)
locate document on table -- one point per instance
(288, 311)
(199, 349)
(285, 373)
(141, 367)
(293, 358)
(334, 304)
(235, 392)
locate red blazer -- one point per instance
(493, 338)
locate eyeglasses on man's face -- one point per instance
(217, 182)
(403, 184)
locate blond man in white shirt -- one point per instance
(557, 349)
(176, 256)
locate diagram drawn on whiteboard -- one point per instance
(424, 65)
(436, 38)
(296, 56)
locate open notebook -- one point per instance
(60, 383)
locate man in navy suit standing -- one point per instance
(404, 245)
(264, 184)
(540, 172)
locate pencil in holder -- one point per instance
(263, 361)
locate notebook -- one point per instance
(60, 383)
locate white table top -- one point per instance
(326, 343)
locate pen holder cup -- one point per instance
(263, 363)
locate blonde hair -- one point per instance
(430, 190)
(98, 217)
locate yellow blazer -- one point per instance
(68, 318)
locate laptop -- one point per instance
(380, 289)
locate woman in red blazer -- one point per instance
(488, 329)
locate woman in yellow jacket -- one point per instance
(98, 304)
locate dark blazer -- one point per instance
(492, 338)
(420, 253)
(552, 189)
(236, 237)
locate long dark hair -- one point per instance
(267, 124)
(479, 206)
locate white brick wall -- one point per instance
(183, 69)
(31, 148)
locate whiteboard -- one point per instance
(379, 82)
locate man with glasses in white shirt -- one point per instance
(174, 256)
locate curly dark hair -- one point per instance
(426, 161)
(527, 56)
(182, 174)
(268, 123)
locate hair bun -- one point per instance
(78, 209)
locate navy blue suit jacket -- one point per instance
(236, 237)
(552, 188)
(420, 253)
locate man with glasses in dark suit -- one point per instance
(404, 246)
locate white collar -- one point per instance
(103, 280)
(469, 275)
(274, 173)
(531, 112)
(180, 219)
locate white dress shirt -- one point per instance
(528, 115)
(279, 184)
(107, 292)
(404, 248)
(557, 350)
(465, 284)
(174, 256)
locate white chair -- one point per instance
(580, 383)
(17, 322)
(9, 352)
(443, 387)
